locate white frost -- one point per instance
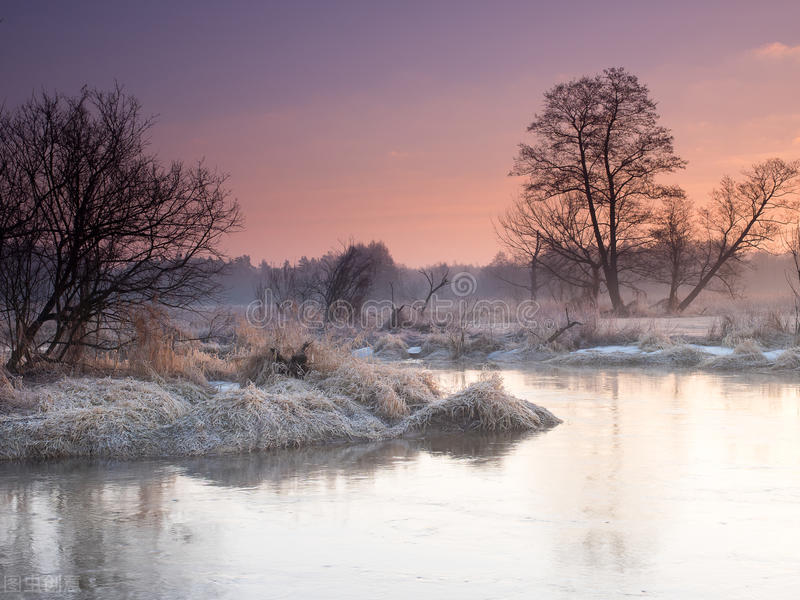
(612, 350)
(770, 355)
(366, 352)
(225, 386)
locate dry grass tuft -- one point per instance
(484, 406)
(153, 353)
(746, 356)
(594, 329)
(12, 398)
(770, 328)
(748, 348)
(788, 360)
(91, 417)
(597, 360)
(211, 365)
(434, 342)
(391, 391)
(391, 346)
(682, 355)
(652, 341)
(287, 413)
(676, 355)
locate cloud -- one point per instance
(778, 51)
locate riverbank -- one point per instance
(617, 346)
(370, 386)
(356, 401)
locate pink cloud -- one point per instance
(778, 51)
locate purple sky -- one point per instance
(399, 121)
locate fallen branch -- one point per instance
(561, 330)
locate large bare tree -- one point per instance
(101, 226)
(598, 140)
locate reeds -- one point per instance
(769, 327)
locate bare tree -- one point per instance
(397, 311)
(344, 278)
(436, 280)
(792, 244)
(598, 140)
(744, 216)
(673, 256)
(520, 234)
(102, 226)
(562, 229)
(280, 285)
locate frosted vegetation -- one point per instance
(339, 398)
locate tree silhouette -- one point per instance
(598, 141)
(92, 226)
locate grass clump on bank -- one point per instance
(340, 398)
(483, 406)
(771, 328)
(788, 360)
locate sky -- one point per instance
(399, 121)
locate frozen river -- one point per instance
(655, 486)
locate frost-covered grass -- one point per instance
(157, 400)
(340, 399)
(746, 356)
(484, 406)
(769, 327)
(747, 337)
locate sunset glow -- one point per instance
(400, 123)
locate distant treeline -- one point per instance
(762, 275)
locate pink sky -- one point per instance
(369, 121)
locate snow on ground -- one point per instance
(224, 386)
(770, 355)
(612, 350)
(366, 352)
(505, 354)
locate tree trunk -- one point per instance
(612, 283)
(23, 346)
(595, 289)
(672, 302)
(534, 279)
(700, 286)
(395, 318)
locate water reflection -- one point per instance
(355, 461)
(667, 483)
